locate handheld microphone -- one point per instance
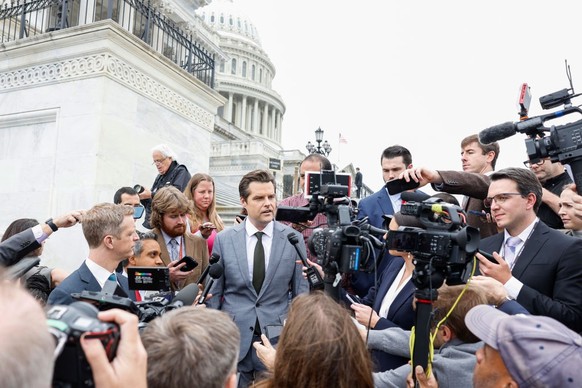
(215, 272)
(313, 276)
(497, 132)
(212, 260)
(185, 297)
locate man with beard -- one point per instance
(170, 208)
(260, 270)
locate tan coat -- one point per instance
(195, 247)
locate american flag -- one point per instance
(342, 139)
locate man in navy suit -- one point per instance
(540, 267)
(260, 270)
(394, 161)
(110, 232)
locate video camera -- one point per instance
(564, 143)
(68, 324)
(447, 242)
(345, 245)
(442, 250)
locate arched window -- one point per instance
(230, 21)
(221, 19)
(244, 69)
(260, 75)
(238, 20)
(253, 72)
(233, 66)
(212, 18)
(221, 66)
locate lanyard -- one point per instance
(518, 254)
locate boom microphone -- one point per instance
(215, 272)
(212, 260)
(497, 132)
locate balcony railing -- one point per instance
(36, 17)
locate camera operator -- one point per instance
(21, 244)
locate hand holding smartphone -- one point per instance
(190, 263)
(354, 299)
(396, 186)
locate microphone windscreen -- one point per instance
(497, 132)
(186, 295)
(216, 271)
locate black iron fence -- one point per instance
(22, 19)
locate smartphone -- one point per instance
(354, 299)
(396, 186)
(190, 263)
(489, 256)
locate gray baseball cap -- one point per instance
(538, 351)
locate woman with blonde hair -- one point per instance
(319, 346)
(205, 221)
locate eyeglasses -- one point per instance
(159, 161)
(528, 164)
(499, 199)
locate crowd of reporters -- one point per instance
(354, 343)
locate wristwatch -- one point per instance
(51, 224)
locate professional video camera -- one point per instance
(564, 143)
(345, 245)
(441, 252)
(68, 324)
(447, 243)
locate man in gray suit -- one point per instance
(260, 270)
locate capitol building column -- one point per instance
(243, 119)
(256, 117)
(265, 124)
(229, 109)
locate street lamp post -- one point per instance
(324, 149)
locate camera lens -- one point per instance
(139, 188)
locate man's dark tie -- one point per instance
(259, 263)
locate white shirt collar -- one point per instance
(251, 229)
(100, 273)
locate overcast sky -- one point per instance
(423, 74)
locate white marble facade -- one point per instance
(78, 118)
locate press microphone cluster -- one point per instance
(212, 260)
(215, 272)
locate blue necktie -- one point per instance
(110, 285)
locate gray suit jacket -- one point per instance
(234, 292)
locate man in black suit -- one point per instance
(110, 232)
(539, 267)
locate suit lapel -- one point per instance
(385, 203)
(87, 277)
(277, 248)
(165, 255)
(404, 296)
(532, 246)
(387, 279)
(239, 247)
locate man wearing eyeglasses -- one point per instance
(539, 267)
(553, 178)
(170, 173)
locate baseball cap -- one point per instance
(538, 351)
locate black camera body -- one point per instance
(447, 243)
(68, 324)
